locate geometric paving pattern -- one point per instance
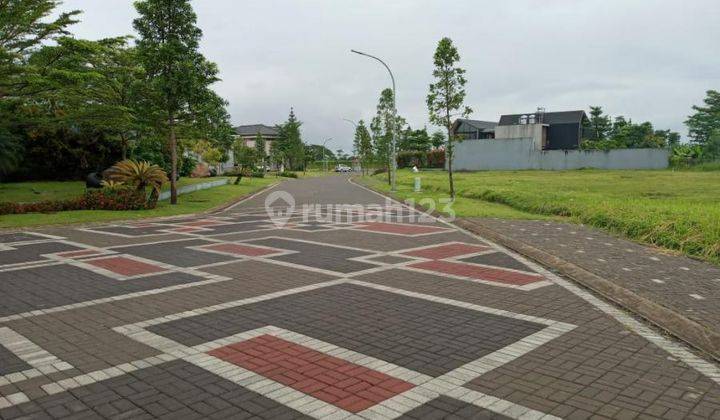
(464, 261)
(230, 315)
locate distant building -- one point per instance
(549, 130)
(248, 134)
(473, 129)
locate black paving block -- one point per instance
(424, 336)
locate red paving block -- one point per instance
(242, 250)
(476, 272)
(125, 266)
(397, 228)
(341, 383)
(447, 251)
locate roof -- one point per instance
(563, 117)
(255, 129)
(477, 124)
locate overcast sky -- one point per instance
(645, 59)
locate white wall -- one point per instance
(518, 154)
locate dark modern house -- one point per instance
(550, 130)
(473, 129)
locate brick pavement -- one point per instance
(687, 287)
(233, 316)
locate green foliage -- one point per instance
(384, 125)
(314, 152)
(415, 140)
(245, 157)
(446, 96)
(422, 159)
(437, 139)
(362, 144)
(672, 209)
(288, 174)
(138, 175)
(24, 25)
(178, 76)
(601, 134)
(289, 148)
(706, 119)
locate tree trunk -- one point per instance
(449, 154)
(173, 158)
(123, 146)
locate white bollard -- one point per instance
(417, 184)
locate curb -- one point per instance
(672, 322)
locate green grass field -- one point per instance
(30, 192)
(187, 203)
(678, 210)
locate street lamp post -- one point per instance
(393, 148)
(324, 158)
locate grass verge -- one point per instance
(30, 192)
(678, 210)
(195, 202)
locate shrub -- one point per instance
(287, 174)
(258, 174)
(379, 171)
(139, 175)
(422, 159)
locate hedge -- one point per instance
(100, 199)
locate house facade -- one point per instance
(248, 133)
(549, 130)
(473, 129)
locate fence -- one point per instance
(195, 187)
(518, 154)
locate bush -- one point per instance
(100, 199)
(421, 159)
(287, 174)
(379, 171)
(258, 174)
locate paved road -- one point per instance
(349, 312)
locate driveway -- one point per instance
(368, 311)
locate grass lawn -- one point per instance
(679, 210)
(28, 192)
(187, 203)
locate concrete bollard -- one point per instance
(417, 184)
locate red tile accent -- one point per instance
(476, 272)
(397, 228)
(80, 253)
(125, 266)
(346, 385)
(447, 251)
(245, 250)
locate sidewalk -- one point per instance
(677, 293)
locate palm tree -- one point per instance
(140, 175)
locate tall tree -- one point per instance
(177, 73)
(437, 139)
(23, 27)
(446, 96)
(290, 142)
(706, 119)
(362, 144)
(599, 124)
(383, 126)
(260, 148)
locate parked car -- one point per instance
(343, 168)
